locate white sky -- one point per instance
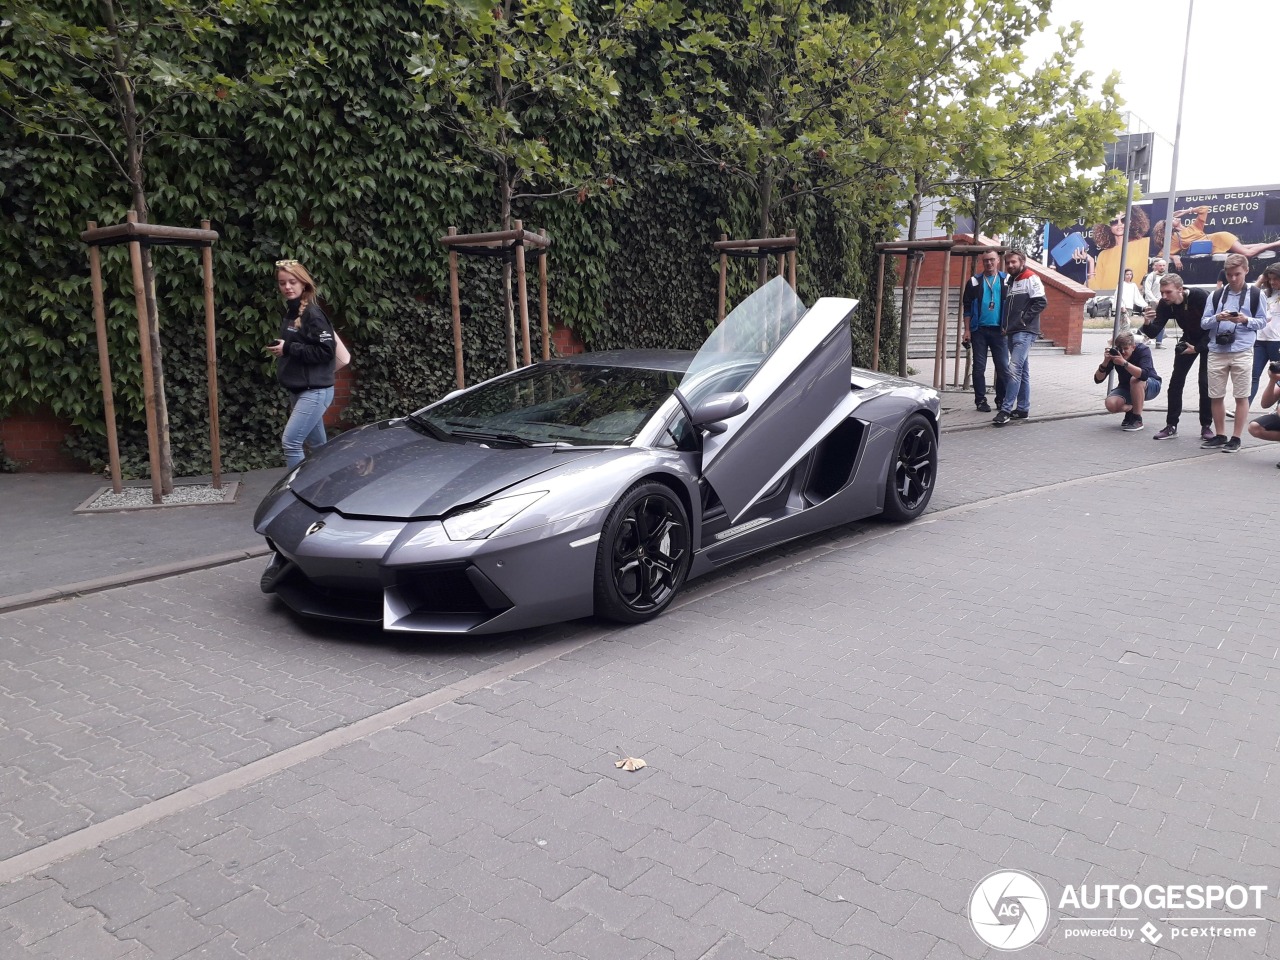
(1231, 72)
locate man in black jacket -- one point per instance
(1137, 381)
(1185, 308)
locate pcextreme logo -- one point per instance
(1009, 910)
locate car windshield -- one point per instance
(572, 403)
(748, 334)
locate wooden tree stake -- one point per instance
(104, 364)
(542, 300)
(148, 380)
(457, 313)
(211, 362)
(522, 286)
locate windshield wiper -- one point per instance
(430, 426)
(581, 441)
(500, 437)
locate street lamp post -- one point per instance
(1167, 249)
(1133, 167)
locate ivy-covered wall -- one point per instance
(344, 171)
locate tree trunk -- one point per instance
(128, 111)
(506, 188)
(766, 199)
(157, 371)
(508, 303)
(913, 217)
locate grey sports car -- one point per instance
(599, 483)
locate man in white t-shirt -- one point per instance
(1151, 290)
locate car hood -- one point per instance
(392, 471)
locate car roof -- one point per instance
(674, 361)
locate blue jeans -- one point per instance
(991, 339)
(1264, 351)
(1018, 389)
(306, 423)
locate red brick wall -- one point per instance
(565, 342)
(343, 381)
(34, 440)
(1062, 320)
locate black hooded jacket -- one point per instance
(307, 360)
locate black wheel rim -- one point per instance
(913, 474)
(649, 553)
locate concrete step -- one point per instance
(923, 332)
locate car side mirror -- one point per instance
(711, 412)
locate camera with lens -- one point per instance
(1275, 367)
(1181, 346)
(1113, 351)
(1225, 337)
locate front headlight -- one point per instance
(483, 520)
(284, 482)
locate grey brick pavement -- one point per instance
(59, 548)
(842, 740)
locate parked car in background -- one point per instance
(1100, 306)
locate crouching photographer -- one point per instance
(1137, 380)
(1267, 426)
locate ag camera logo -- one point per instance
(1009, 910)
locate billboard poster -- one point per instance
(1208, 226)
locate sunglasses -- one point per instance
(1117, 220)
(287, 263)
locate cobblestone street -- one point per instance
(1065, 668)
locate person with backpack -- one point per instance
(1232, 316)
(304, 352)
(1266, 349)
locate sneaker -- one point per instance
(1131, 423)
(1128, 419)
(1206, 433)
(1168, 433)
(1159, 345)
(1019, 414)
(1232, 445)
(983, 406)
(1213, 443)
(1001, 419)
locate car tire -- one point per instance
(913, 470)
(644, 554)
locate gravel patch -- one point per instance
(139, 498)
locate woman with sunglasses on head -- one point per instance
(1221, 241)
(305, 360)
(1108, 237)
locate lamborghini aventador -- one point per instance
(600, 483)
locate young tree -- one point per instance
(799, 97)
(530, 88)
(111, 74)
(1028, 146)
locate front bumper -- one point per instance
(408, 576)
